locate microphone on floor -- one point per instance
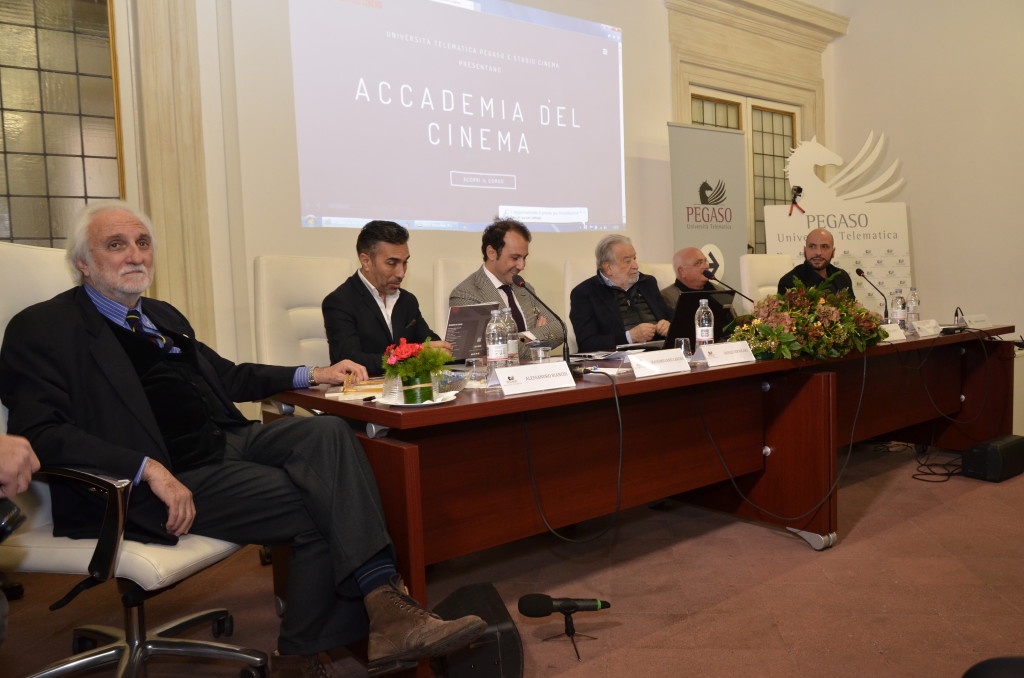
(541, 605)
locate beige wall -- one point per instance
(941, 80)
(945, 82)
(254, 183)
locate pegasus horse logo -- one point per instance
(712, 197)
(852, 183)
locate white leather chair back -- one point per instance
(447, 274)
(575, 271)
(664, 273)
(29, 275)
(759, 276)
(289, 292)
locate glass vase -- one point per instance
(417, 389)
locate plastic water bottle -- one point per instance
(913, 308)
(898, 309)
(513, 335)
(704, 324)
(497, 344)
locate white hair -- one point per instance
(76, 248)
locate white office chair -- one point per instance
(289, 292)
(665, 274)
(574, 271)
(759, 277)
(447, 274)
(29, 275)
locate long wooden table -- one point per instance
(455, 478)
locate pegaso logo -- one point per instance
(709, 196)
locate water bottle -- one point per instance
(913, 308)
(704, 323)
(513, 335)
(497, 344)
(898, 309)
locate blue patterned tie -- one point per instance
(134, 320)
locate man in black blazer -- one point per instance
(102, 377)
(370, 311)
(619, 305)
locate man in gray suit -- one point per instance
(505, 246)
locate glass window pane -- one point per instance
(756, 123)
(94, 54)
(99, 137)
(696, 110)
(63, 134)
(780, 191)
(91, 17)
(757, 142)
(780, 167)
(101, 178)
(23, 133)
(62, 214)
(709, 112)
(26, 174)
(30, 218)
(54, 14)
(734, 117)
(5, 218)
(97, 95)
(780, 148)
(64, 176)
(17, 12)
(758, 187)
(3, 176)
(57, 50)
(17, 46)
(20, 88)
(60, 93)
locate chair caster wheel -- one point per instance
(224, 626)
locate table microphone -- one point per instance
(860, 272)
(518, 281)
(711, 276)
(541, 605)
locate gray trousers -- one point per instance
(303, 482)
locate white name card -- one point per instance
(927, 328)
(977, 320)
(650, 363)
(534, 377)
(728, 353)
(895, 333)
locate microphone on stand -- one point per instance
(518, 281)
(711, 276)
(541, 605)
(860, 272)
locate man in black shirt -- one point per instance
(818, 252)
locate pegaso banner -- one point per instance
(872, 236)
(709, 197)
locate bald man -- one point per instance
(819, 249)
(689, 264)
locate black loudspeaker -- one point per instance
(496, 654)
(995, 460)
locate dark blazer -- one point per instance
(595, 317)
(809, 277)
(73, 392)
(356, 328)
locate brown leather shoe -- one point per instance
(402, 632)
(297, 666)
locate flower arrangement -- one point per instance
(809, 322)
(406, 360)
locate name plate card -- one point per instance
(895, 333)
(927, 328)
(650, 363)
(728, 353)
(977, 320)
(535, 377)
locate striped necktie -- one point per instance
(134, 320)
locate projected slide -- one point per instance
(443, 114)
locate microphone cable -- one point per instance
(839, 475)
(618, 478)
